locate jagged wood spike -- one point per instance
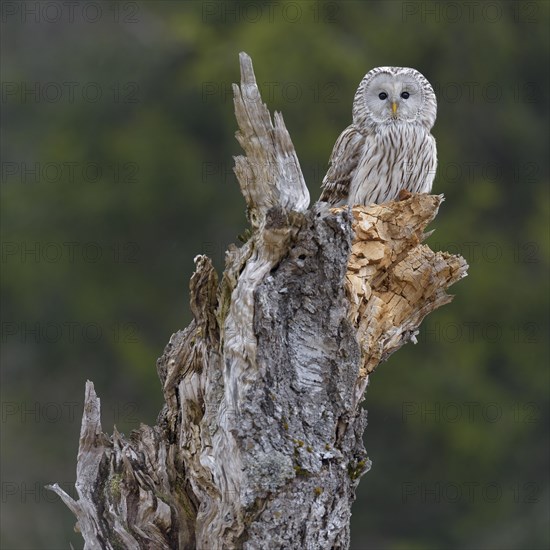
(259, 443)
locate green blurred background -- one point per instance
(117, 144)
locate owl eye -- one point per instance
(382, 95)
(405, 95)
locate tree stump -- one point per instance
(259, 443)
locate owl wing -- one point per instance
(342, 166)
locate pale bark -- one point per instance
(259, 444)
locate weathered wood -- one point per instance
(259, 444)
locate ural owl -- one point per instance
(388, 147)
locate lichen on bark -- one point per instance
(260, 441)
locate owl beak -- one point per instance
(394, 107)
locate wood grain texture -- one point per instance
(260, 441)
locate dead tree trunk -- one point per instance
(259, 444)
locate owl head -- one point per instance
(389, 95)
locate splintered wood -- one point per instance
(260, 441)
(393, 281)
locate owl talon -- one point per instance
(404, 194)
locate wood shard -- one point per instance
(259, 443)
(393, 281)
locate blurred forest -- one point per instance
(117, 145)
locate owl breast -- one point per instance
(394, 157)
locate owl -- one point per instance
(388, 147)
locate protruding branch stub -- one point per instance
(393, 280)
(270, 175)
(260, 440)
